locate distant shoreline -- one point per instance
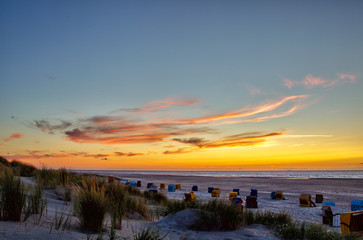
(341, 174)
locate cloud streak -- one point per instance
(311, 81)
(13, 137)
(240, 140)
(158, 127)
(36, 154)
(45, 126)
(156, 105)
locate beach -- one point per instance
(340, 191)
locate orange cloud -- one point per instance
(13, 137)
(311, 81)
(130, 129)
(240, 140)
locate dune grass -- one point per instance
(218, 215)
(13, 196)
(52, 178)
(19, 168)
(116, 201)
(90, 205)
(147, 233)
(158, 198)
(221, 215)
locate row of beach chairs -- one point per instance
(348, 222)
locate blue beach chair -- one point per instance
(356, 205)
(171, 188)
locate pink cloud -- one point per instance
(311, 81)
(13, 137)
(254, 91)
(155, 105)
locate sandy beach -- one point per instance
(340, 191)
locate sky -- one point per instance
(182, 85)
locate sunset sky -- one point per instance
(211, 85)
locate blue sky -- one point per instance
(68, 60)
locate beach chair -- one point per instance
(171, 188)
(111, 179)
(215, 193)
(150, 185)
(218, 190)
(251, 202)
(232, 195)
(189, 197)
(177, 186)
(210, 189)
(195, 188)
(356, 205)
(326, 203)
(319, 198)
(327, 215)
(279, 195)
(236, 190)
(237, 202)
(273, 195)
(124, 181)
(351, 222)
(162, 185)
(305, 200)
(153, 190)
(253, 192)
(132, 184)
(138, 184)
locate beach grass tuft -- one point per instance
(148, 233)
(116, 202)
(53, 178)
(90, 205)
(220, 215)
(159, 198)
(13, 196)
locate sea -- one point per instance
(342, 174)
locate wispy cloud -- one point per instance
(13, 137)
(157, 105)
(239, 140)
(45, 126)
(311, 81)
(37, 154)
(180, 151)
(155, 128)
(254, 90)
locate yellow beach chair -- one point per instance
(215, 193)
(232, 195)
(279, 195)
(351, 222)
(162, 185)
(305, 200)
(189, 197)
(177, 186)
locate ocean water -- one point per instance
(355, 174)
